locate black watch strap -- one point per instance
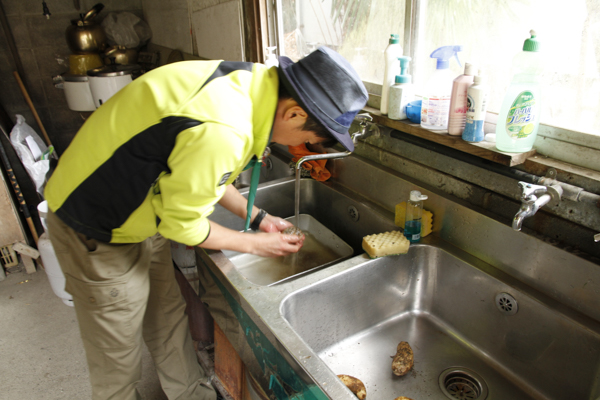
(258, 219)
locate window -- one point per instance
(491, 31)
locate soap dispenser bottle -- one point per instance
(401, 93)
(271, 60)
(414, 211)
(436, 100)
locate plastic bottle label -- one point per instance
(435, 110)
(520, 121)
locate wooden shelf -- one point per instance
(486, 150)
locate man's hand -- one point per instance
(264, 244)
(271, 223)
(275, 244)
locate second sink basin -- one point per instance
(474, 334)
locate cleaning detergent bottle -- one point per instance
(476, 109)
(391, 54)
(458, 101)
(519, 116)
(414, 211)
(401, 93)
(436, 99)
(271, 60)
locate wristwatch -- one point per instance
(258, 219)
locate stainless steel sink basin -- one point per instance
(490, 313)
(347, 215)
(321, 248)
(475, 332)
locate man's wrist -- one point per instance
(258, 219)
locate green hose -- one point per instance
(252, 193)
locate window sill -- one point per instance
(531, 162)
(486, 150)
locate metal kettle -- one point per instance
(86, 36)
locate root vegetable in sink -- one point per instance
(293, 230)
(402, 398)
(355, 385)
(403, 360)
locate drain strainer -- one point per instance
(353, 213)
(506, 304)
(462, 384)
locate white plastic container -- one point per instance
(391, 54)
(78, 93)
(51, 265)
(108, 80)
(436, 99)
(519, 117)
(402, 92)
(458, 101)
(477, 106)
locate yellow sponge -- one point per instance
(426, 219)
(385, 244)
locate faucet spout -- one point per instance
(528, 209)
(534, 197)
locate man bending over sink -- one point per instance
(147, 167)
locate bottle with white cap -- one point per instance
(391, 54)
(414, 211)
(476, 110)
(458, 100)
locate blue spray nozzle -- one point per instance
(444, 54)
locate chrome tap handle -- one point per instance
(530, 192)
(365, 121)
(363, 118)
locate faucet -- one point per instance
(365, 121)
(534, 197)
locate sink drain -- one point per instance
(462, 384)
(353, 213)
(506, 304)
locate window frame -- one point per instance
(574, 147)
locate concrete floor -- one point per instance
(41, 353)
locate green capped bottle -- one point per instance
(519, 117)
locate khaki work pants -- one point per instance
(123, 294)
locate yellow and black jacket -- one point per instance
(157, 156)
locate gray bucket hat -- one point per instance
(327, 87)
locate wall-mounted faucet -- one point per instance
(368, 128)
(534, 197)
(366, 123)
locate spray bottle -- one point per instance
(401, 93)
(271, 60)
(519, 117)
(414, 212)
(436, 100)
(392, 52)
